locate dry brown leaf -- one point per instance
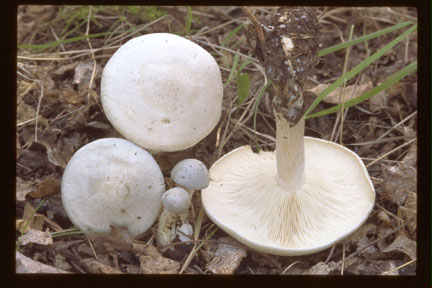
(48, 186)
(139, 247)
(322, 268)
(41, 13)
(84, 248)
(24, 112)
(18, 147)
(403, 244)
(372, 267)
(54, 154)
(24, 27)
(154, 263)
(360, 238)
(66, 96)
(93, 266)
(119, 238)
(131, 269)
(27, 265)
(23, 188)
(380, 101)
(411, 157)
(384, 219)
(410, 210)
(35, 236)
(83, 72)
(342, 94)
(61, 263)
(227, 257)
(401, 179)
(30, 220)
(62, 69)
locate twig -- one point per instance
(27, 121)
(330, 254)
(218, 27)
(388, 212)
(390, 152)
(91, 246)
(41, 84)
(256, 23)
(343, 258)
(226, 49)
(399, 267)
(291, 265)
(400, 123)
(93, 56)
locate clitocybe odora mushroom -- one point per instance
(114, 182)
(309, 193)
(191, 174)
(162, 92)
(176, 203)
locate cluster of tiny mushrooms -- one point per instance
(164, 93)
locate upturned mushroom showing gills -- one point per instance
(162, 92)
(309, 193)
(112, 182)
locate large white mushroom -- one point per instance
(306, 195)
(162, 92)
(114, 182)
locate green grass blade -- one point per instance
(231, 34)
(198, 223)
(260, 95)
(243, 87)
(357, 69)
(367, 95)
(66, 41)
(188, 20)
(337, 47)
(233, 70)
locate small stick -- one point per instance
(399, 267)
(390, 152)
(92, 54)
(256, 23)
(91, 246)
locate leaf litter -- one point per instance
(69, 115)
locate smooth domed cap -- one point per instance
(162, 92)
(245, 199)
(191, 174)
(176, 200)
(112, 181)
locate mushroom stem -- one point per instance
(190, 191)
(290, 157)
(166, 227)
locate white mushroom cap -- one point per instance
(246, 200)
(162, 92)
(112, 181)
(191, 174)
(176, 200)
